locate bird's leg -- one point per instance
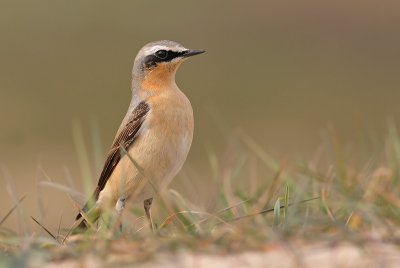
(147, 205)
(120, 207)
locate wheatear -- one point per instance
(154, 138)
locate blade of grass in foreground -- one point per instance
(83, 157)
(286, 203)
(12, 210)
(272, 209)
(277, 212)
(45, 229)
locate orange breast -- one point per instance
(160, 77)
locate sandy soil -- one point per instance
(340, 255)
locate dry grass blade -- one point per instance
(59, 226)
(232, 206)
(172, 216)
(84, 215)
(223, 210)
(12, 210)
(73, 227)
(83, 157)
(390, 197)
(45, 229)
(62, 188)
(266, 197)
(257, 149)
(325, 203)
(271, 209)
(76, 223)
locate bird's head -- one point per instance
(157, 62)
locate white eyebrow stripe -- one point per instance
(152, 50)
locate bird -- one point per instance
(154, 138)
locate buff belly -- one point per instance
(160, 150)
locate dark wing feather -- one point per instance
(126, 138)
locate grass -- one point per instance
(256, 202)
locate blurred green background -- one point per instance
(281, 71)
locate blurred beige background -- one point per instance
(281, 71)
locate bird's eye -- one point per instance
(162, 54)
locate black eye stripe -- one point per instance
(152, 60)
(172, 55)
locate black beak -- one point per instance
(192, 52)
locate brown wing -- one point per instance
(126, 138)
